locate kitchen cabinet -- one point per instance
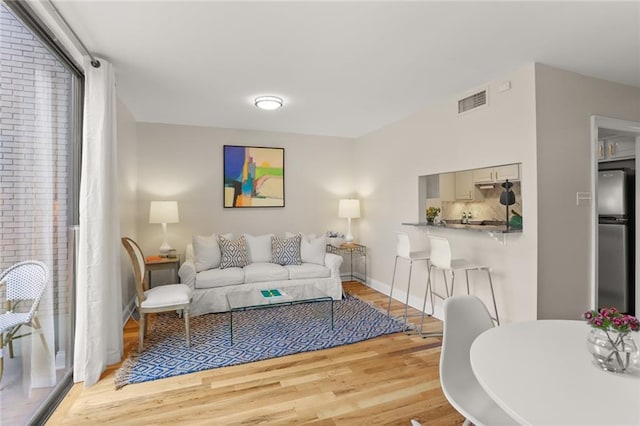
(465, 188)
(483, 175)
(616, 149)
(441, 187)
(497, 174)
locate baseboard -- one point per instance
(401, 296)
(128, 310)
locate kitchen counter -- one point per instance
(494, 229)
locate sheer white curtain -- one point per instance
(98, 340)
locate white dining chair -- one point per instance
(403, 251)
(23, 284)
(440, 258)
(164, 298)
(465, 318)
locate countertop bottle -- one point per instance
(464, 217)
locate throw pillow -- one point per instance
(206, 252)
(233, 253)
(258, 247)
(313, 250)
(286, 251)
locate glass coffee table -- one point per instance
(244, 300)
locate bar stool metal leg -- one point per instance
(493, 296)
(393, 280)
(406, 303)
(466, 272)
(429, 291)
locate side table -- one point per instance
(155, 264)
(350, 249)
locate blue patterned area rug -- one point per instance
(257, 335)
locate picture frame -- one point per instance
(254, 176)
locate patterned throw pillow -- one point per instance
(286, 251)
(233, 253)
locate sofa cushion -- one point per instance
(286, 251)
(259, 247)
(206, 251)
(262, 271)
(233, 253)
(219, 277)
(307, 270)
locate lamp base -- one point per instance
(349, 238)
(164, 249)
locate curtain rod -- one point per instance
(94, 62)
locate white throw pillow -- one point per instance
(206, 251)
(259, 247)
(312, 249)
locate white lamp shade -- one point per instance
(349, 208)
(164, 212)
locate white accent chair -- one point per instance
(163, 298)
(403, 251)
(25, 283)
(441, 259)
(465, 318)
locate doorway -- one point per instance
(615, 144)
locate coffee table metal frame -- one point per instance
(245, 300)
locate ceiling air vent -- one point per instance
(473, 101)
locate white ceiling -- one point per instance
(343, 68)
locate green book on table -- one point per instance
(271, 293)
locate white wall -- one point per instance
(184, 163)
(565, 102)
(435, 140)
(127, 187)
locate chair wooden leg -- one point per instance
(186, 325)
(141, 333)
(9, 341)
(38, 328)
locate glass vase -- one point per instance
(613, 351)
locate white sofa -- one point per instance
(201, 270)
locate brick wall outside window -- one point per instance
(35, 147)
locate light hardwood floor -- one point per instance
(387, 380)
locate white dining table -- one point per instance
(541, 373)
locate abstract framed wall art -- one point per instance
(253, 176)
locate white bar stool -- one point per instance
(440, 258)
(403, 251)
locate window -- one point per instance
(39, 171)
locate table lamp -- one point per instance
(350, 209)
(164, 212)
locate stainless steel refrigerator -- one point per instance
(614, 260)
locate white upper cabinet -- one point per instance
(496, 174)
(465, 188)
(616, 149)
(483, 175)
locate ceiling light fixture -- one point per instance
(268, 102)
